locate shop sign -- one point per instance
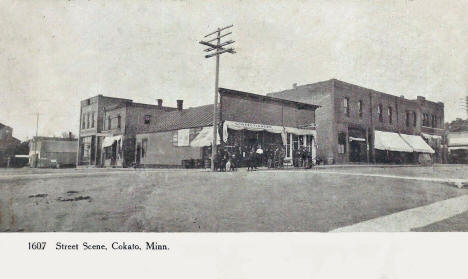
(183, 137)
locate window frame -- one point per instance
(407, 119)
(147, 119)
(390, 114)
(144, 147)
(380, 112)
(360, 107)
(346, 105)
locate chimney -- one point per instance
(294, 85)
(160, 102)
(402, 96)
(69, 135)
(180, 104)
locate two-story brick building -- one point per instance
(357, 124)
(107, 129)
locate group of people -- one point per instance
(229, 159)
(302, 158)
(233, 157)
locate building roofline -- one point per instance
(52, 138)
(335, 81)
(132, 104)
(264, 97)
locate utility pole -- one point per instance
(36, 157)
(218, 49)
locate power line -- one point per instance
(216, 49)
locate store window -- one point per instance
(342, 143)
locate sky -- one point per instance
(55, 53)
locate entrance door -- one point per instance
(355, 152)
(138, 153)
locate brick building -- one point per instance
(245, 120)
(107, 129)
(350, 115)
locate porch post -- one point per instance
(367, 145)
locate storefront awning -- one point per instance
(458, 148)
(204, 138)
(109, 141)
(391, 142)
(417, 143)
(356, 139)
(300, 132)
(456, 140)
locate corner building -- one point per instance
(354, 122)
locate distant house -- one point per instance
(8, 144)
(47, 152)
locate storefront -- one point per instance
(246, 122)
(249, 136)
(401, 148)
(358, 145)
(458, 147)
(112, 151)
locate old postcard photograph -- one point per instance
(231, 117)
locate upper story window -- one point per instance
(92, 120)
(415, 119)
(380, 113)
(390, 115)
(83, 124)
(88, 102)
(346, 106)
(360, 108)
(119, 120)
(433, 121)
(87, 120)
(147, 119)
(407, 121)
(425, 119)
(109, 122)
